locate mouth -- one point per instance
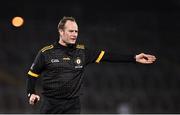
(73, 39)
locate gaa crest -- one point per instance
(78, 63)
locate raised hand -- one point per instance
(145, 58)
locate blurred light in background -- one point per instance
(17, 21)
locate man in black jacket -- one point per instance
(61, 65)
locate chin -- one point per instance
(72, 43)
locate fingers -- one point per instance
(34, 99)
(148, 61)
(145, 61)
(150, 58)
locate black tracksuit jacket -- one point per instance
(61, 68)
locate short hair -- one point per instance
(63, 21)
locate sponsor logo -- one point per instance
(54, 60)
(66, 58)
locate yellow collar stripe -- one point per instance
(100, 56)
(32, 74)
(47, 48)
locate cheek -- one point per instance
(66, 36)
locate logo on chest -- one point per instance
(66, 58)
(54, 60)
(78, 63)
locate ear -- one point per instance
(61, 31)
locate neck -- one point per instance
(62, 42)
(65, 44)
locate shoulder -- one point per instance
(46, 48)
(80, 46)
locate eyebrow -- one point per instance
(73, 30)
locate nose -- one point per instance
(74, 33)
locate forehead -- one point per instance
(71, 25)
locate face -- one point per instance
(69, 34)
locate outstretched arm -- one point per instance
(105, 56)
(145, 58)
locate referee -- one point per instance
(61, 65)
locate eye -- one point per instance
(73, 31)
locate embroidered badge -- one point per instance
(78, 63)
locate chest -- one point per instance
(65, 60)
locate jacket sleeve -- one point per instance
(34, 72)
(97, 56)
(118, 57)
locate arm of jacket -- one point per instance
(95, 56)
(34, 73)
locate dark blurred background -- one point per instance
(128, 26)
